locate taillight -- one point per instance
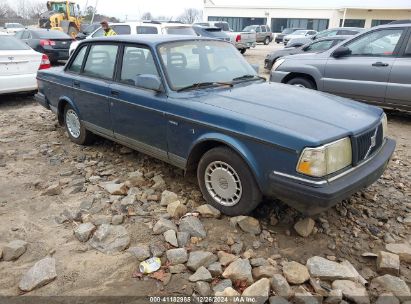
(44, 42)
(238, 38)
(44, 63)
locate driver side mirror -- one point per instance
(147, 81)
(341, 52)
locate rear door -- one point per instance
(399, 83)
(364, 74)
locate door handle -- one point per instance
(380, 64)
(76, 83)
(115, 93)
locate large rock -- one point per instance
(168, 197)
(335, 296)
(84, 231)
(247, 224)
(403, 250)
(259, 290)
(177, 256)
(141, 252)
(157, 249)
(110, 239)
(239, 270)
(193, 225)
(136, 179)
(197, 259)
(387, 298)
(295, 273)
(176, 209)
(42, 273)
(183, 238)
(327, 270)
(353, 291)
(203, 289)
(304, 227)
(228, 292)
(163, 225)
(170, 237)
(207, 210)
(14, 249)
(226, 258)
(264, 272)
(215, 269)
(389, 283)
(223, 284)
(202, 274)
(116, 189)
(280, 286)
(388, 263)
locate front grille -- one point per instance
(367, 143)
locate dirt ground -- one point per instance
(36, 153)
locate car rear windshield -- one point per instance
(180, 31)
(250, 28)
(11, 43)
(51, 34)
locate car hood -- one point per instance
(306, 115)
(284, 52)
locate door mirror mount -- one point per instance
(148, 81)
(341, 51)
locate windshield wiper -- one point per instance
(204, 84)
(248, 77)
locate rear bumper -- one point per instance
(41, 99)
(18, 83)
(279, 39)
(313, 199)
(55, 55)
(245, 45)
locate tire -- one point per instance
(242, 51)
(72, 31)
(267, 40)
(227, 172)
(74, 127)
(278, 42)
(302, 82)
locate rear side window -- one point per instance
(122, 29)
(320, 46)
(75, 66)
(146, 30)
(180, 31)
(101, 61)
(11, 43)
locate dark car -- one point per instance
(196, 103)
(54, 44)
(287, 31)
(211, 32)
(87, 30)
(319, 45)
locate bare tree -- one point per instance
(190, 15)
(147, 16)
(35, 9)
(5, 9)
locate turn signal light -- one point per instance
(238, 38)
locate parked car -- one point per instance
(211, 32)
(140, 28)
(242, 40)
(287, 31)
(373, 67)
(263, 33)
(55, 44)
(197, 104)
(87, 30)
(316, 46)
(344, 31)
(299, 34)
(19, 65)
(11, 28)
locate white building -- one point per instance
(314, 14)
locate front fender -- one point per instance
(315, 70)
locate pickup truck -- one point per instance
(197, 104)
(242, 40)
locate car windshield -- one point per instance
(11, 43)
(288, 31)
(188, 63)
(180, 30)
(299, 32)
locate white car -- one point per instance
(139, 28)
(299, 34)
(12, 28)
(19, 65)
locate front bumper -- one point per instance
(314, 198)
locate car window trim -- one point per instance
(406, 40)
(73, 57)
(394, 54)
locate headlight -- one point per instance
(277, 63)
(326, 159)
(384, 123)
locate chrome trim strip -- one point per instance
(321, 182)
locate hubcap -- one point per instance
(299, 85)
(223, 183)
(73, 123)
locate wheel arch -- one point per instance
(293, 75)
(63, 101)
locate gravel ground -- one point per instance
(49, 186)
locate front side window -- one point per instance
(75, 67)
(377, 43)
(98, 33)
(190, 62)
(136, 61)
(101, 61)
(122, 29)
(320, 46)
(146, 30)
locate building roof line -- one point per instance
(309, 8)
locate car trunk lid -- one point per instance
(19, 62)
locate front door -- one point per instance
(138, 113)
(364, 74)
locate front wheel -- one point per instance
(242, 51)
(72, 32)
(227, 183)
(75, 129)
(267, 41)
(302, 83)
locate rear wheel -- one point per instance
(72, 32)
(242, 51)
(75, 129)
(227, 183)
(267, 40)
(302, 83)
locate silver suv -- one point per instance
(373, 67)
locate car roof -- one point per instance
(154, 23)
(149, 39)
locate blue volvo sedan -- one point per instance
(197, 104)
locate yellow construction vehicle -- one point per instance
(62, 15)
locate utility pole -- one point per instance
(94, 11)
